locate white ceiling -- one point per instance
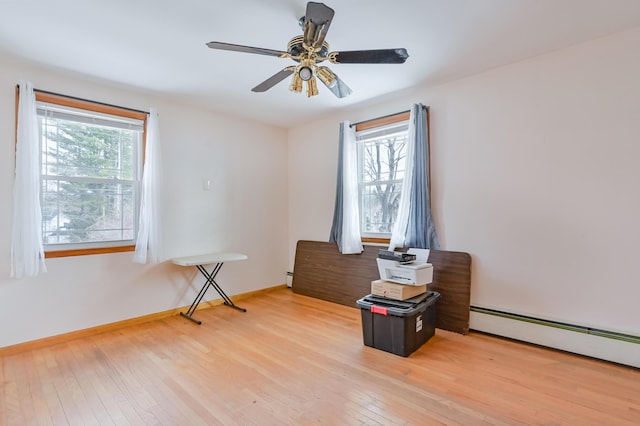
(159, 45)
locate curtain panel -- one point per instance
(27, 249)
(414, 226)
(345, 230)
(421, 230)
(149, 240)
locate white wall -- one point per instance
(535, 173)
(245, 211)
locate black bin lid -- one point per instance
(385, 306)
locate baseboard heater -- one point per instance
(561, 325)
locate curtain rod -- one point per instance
(87, 100)
(384, 116)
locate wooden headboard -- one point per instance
(321, 271)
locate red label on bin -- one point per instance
(379, 310)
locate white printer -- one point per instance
(410, 268)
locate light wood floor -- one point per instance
(296, 360)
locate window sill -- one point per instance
(85, 252)
(376, 240)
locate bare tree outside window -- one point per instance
(382, 168)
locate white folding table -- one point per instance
(200, 261)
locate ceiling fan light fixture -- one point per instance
(327, 77)
(305, 73)
(296, 83)
(312, 88)
(311, 49)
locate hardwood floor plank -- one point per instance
(294, 360)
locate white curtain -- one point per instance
(149, 240)
(351, 240)
(27, 250)
(402, 219)
(345, 230)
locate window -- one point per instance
(91, 163)
(386, 171)
(381, 157)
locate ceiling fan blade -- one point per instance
(273, 80)
(382, 56)
(316, 23)
(340, 89)
(246, 49)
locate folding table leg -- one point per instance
(210, 281)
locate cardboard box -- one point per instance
(396, 291)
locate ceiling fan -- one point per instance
(309, 50)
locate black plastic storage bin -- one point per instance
(398, 326)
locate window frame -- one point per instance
(87, 105)
(371, 124)
(383, 121)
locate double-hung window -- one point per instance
(91, 167)
(381, 166)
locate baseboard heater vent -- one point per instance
(556, 324)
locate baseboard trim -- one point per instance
(558, 336)
(562, 325)
(92, 331)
